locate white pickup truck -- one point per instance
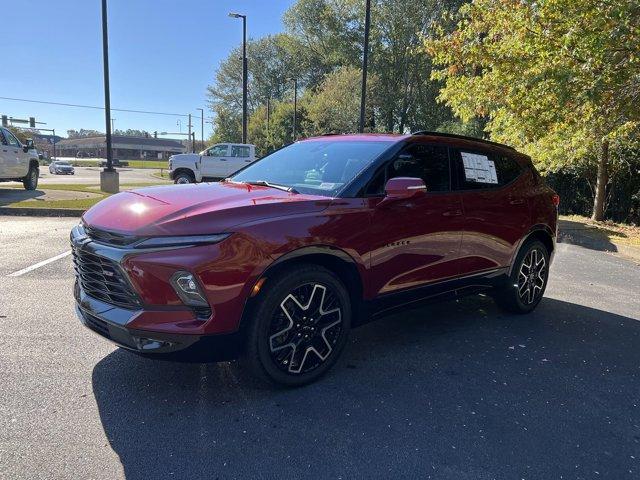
(216, 162)
(18, 162)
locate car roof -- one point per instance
(444, 138)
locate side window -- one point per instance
(11, 140)
(218, 151)
(478, 170)
(507, 169)
(425, 161)
(475, 171)
(2, 139)
(239, 151)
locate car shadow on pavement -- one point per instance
(576, 233)
(457, 390)
(9, 196)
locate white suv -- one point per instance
(218, 161)
(18, 162)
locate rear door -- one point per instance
(417, 240)
(214, 163)
(240, 156)
(494, 197)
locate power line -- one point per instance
(92, 107)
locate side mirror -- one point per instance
(403, 187)
(29, 145)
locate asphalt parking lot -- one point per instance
(457, 390)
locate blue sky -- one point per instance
(163, 54)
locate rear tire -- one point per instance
(30, 182)
(184, 177)
(528, 280)
(299, 326)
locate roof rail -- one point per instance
(462, 137)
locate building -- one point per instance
(123, 148)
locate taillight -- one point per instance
(556, 199)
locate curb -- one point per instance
(41, 212)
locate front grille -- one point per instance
(103, 279)
(109, 238)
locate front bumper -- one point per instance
(111, 322)
(170, 331)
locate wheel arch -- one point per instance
(544, 234)
(337, 261)
(187, 170)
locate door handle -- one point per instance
(247, 161)
(516, 201)
(223, 159)
(452, 213)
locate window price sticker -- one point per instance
(478, 168)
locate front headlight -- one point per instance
(181, 241)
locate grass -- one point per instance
(148, 163)
(619, 233)
(82, 203)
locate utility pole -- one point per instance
(54, 142)
(109, 179)
(295, 108)
(244, 73)
(365, 59)
(192, 145)
(201, 125)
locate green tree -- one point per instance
(335, 105)
(558, 78)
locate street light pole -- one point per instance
(113, 122)
(244, 73)
(365, 59)
(109, 181)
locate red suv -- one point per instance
(276, 263)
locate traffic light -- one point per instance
(5, 121)
(155, 134)
(32, 122)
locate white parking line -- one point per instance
(39, 264)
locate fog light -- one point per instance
(187, 288)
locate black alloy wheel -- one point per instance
(528, 280)
(300, 325)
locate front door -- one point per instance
(214, 163)
(13, 156)
(416, 241)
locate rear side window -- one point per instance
(507, 168)
(479, 170)
(239, 151)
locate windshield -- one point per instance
(62, 163)
(318, 167)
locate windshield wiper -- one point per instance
(264, 183)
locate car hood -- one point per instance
(195, 209)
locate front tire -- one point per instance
(30, 182)
(299, 326)
(184, 177)
(528, 280)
